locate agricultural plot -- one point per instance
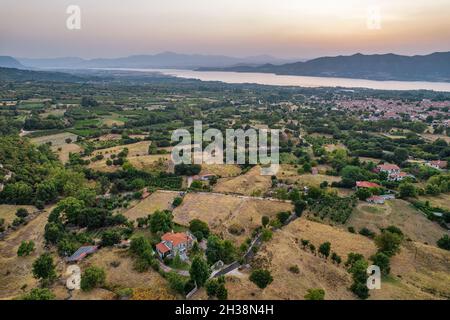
(59, 144)
(441, 200)
(289, 174)
(399, 213)
(417, 272)
(16, 271)
(8, 212)
(251, 183)
(159, 200)
(233, 217)
(221, 170)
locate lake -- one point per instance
(300, 81)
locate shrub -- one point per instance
(92, 277)
(444, 242)
(266, 235)
(22, 213)
(25, 248)
(38, 294)
(315, 294)
(294, 269)
(324, 249)
(177, 201)
(262, 278)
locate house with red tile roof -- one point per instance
(173, 243)
(367, 184)
(388, 168)
(438, 164)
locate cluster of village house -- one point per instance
(394, 109)
(394, 173)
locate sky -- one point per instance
(281, 28)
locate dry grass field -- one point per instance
(221, 170)
(59, 144)
(120, 274)
(224, 211)
(289, 174)
(159, 200)
(251, 183)
(442, 200)
(15, 272)
(8, 212)
(399, 213)
(137, 155)
(418, 271)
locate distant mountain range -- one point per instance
(161, 60)
(432, 67)
(10, 62)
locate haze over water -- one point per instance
(300, 81)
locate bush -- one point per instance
(22, 213)
(367, 233)
(315, 294)
(177, 201)
(176, 282)
(38, 294)
(25, 248)
(197, 225)
(324, 249)
(294, 269)
(262, 278)
(110, 237)
(388, 242)
(382, 260)
(92, 277)
(444, 242)
(266, 235)
(283, 216)
(43, 268)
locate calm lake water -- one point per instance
(300, 81)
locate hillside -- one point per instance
(10, 62)
(432, 67)
(10, 74)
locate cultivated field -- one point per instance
(399, 213)
(224, 211)
(159, 200)
(251, 183)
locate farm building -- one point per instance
(81, 253)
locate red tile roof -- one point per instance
(388, 167)
(176, 238)
(161, 247)
(367, 184)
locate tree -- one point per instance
(25, 248)
(358, 269)
(382, 260)
(266, 235)
(197, 225)
(388, 242)
(22, 213)
(444, 242)
(44, 269)
(38, 294)
(46, 191)
(363, 194)
(222, 292)
(199, 271)
(299, 207)
(407, 190)
(315, 294)
(140, 246)
(92, 277)
(177, 201)
(110, 237)
(324, 249)
(283, 216)
(336, 258)
(262, 278)
(161, 221)
(400, 155)
(211, 287)
(265, 221)
(218, 249)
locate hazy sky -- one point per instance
(283, 28)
